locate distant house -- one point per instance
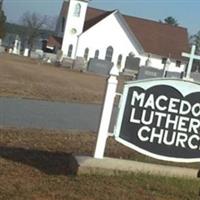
(89, 32)
(53, 43)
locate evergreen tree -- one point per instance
(2, 24)
(171, 20)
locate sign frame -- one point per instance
(185, 87)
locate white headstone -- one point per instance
(49, 60)
(148, 62)
(2, 49)
(10, 50)
(191, 57)
(26, 51)
(166, 66)
(17, 46)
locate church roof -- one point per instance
(92, 21)
(155, 37)
(159, 38)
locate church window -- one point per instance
(164, 60)
(86, 53)
(178, 63)
(70, 49)
(63, 25)
(96, 55)
(119, 61)
(77, 10)
(109, 53)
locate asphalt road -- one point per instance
(24, 113)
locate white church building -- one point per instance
(87, 32)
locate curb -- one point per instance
(112, 166)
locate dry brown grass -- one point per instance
(24, 77)
(34, 164)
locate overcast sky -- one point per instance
(186, 12)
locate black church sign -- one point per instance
(161, 118)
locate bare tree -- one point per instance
(33, 23)
(51, 23)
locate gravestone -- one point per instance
(79, 64)
(10, 50)
(26, 52)
(34, 55)
(2, 49)
(195, 76)
(170, 74)
(99, 66)
(48, 58)
(149, 72)
(59, 56)
(17, 46)
(40, 53)
(66, 62)
(132, 65)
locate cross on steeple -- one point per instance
(191, 57)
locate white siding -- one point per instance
(110, 32)
(107, 32)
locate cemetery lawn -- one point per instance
(34, 164)
(26, 78)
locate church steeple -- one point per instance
(74, 26)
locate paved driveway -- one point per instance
(16, 112)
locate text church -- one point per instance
(87, 32)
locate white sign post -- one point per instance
(106, 113)
(191, 57)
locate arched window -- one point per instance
(96, 55)
(109, 53)
(70, 49)
(119, 61)
(77, 10)
(86, 53)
